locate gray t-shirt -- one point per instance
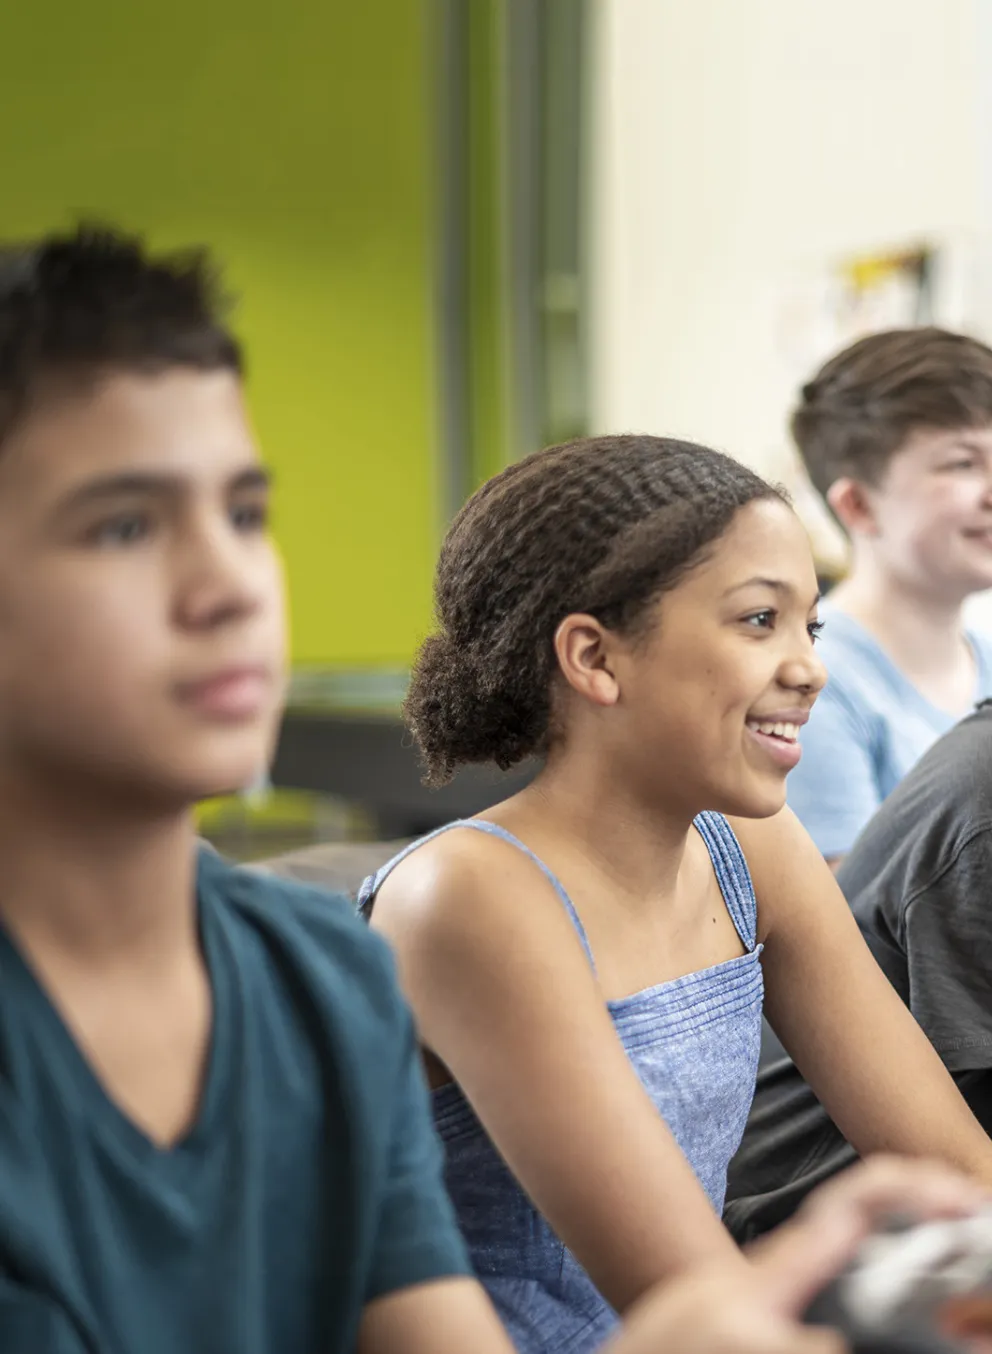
(917, 880)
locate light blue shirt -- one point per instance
(868, 727)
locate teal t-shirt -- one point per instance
(309, 1184)
(869, 726)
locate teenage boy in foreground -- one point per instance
(213, 1134)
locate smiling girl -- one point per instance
(586, 961)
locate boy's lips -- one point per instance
(234, 693)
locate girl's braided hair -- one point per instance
(602, 526)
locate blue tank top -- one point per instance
(694, 1043)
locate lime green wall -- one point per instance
(487, 280)
(294, 137)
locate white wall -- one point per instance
(736, 139)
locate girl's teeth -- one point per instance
(790, 732)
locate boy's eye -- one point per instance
(815, 628)
(761, 620)
(250, 516)
(961, 463)
(127, 529)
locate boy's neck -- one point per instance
(95, 883)
(923, 632)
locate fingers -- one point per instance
(886, 1185)
(801, 1257)
(721, 1312)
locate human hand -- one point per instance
(759, 1310)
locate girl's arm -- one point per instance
(504, 996)
(847, 1030)
(707, 1312)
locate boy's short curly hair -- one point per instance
(76, 306)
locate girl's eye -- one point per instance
(761, 620)
(815, 628)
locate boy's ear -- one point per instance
(851, 503)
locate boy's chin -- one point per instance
(217, 777)
(220, 784)
(974, 575)
(230, 764)
(975, 584)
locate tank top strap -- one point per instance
(372, 885)
(732, 874)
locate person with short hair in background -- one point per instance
(896, 434)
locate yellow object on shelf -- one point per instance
(257, 825)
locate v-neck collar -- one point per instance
(100, 1109)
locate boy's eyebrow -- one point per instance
(778, 585)
(154, 484)
(966, 438)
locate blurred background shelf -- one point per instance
(361, 752)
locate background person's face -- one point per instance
(730, 649)
(933, 513)
(141, 609)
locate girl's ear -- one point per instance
(583, 649)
